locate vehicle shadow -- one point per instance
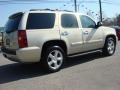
(17, 71)
(82, 59)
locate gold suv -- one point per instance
(49, 36)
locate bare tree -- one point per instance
(118, 20)
(112, 21)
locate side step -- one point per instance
(84, 53)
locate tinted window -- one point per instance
(87, 22)
(69, 21)
(13, 22)
(40, 20)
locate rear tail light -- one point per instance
(22, 39)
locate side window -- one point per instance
(69, 21)
(40, 21)
(87, 22)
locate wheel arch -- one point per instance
(50, 43)
(105, 50)
(113, 36)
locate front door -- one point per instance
(92, 36)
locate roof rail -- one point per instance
(47, 9)
(67, 10)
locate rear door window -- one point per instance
(13, 22)
(69, 21)
(40, 21)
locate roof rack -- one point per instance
(67, 10)
(47, 9)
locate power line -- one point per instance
(52, 1)
(34, 1)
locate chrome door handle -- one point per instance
(86, 32)
(64, 33)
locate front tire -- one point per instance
(109, 47)
(53, 58)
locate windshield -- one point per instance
(13, 23)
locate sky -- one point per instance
(110, 8)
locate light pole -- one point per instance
(100, 10)
(75, 2)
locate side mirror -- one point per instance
(99, 24)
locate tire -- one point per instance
(53, 59)
(109, 47)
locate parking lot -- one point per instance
(88, 72)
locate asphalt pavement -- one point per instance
(88, 72)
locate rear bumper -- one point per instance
(24, 55)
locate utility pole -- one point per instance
(100, 10)
(75, 2)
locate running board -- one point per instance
(79, 54)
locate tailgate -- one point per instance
(10, 37)
(10, 40)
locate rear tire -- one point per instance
(109, 47)
(53, 58)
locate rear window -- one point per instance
(40, 21)
(13, 22)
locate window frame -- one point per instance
(75, 17)
(87, 18)
(41, 13)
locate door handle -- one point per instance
(86, 32)
(64, 33)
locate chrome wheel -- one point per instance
(111, 46)
(55, 59)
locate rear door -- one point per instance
(10, 36)
(42, 27)
(70, 32)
